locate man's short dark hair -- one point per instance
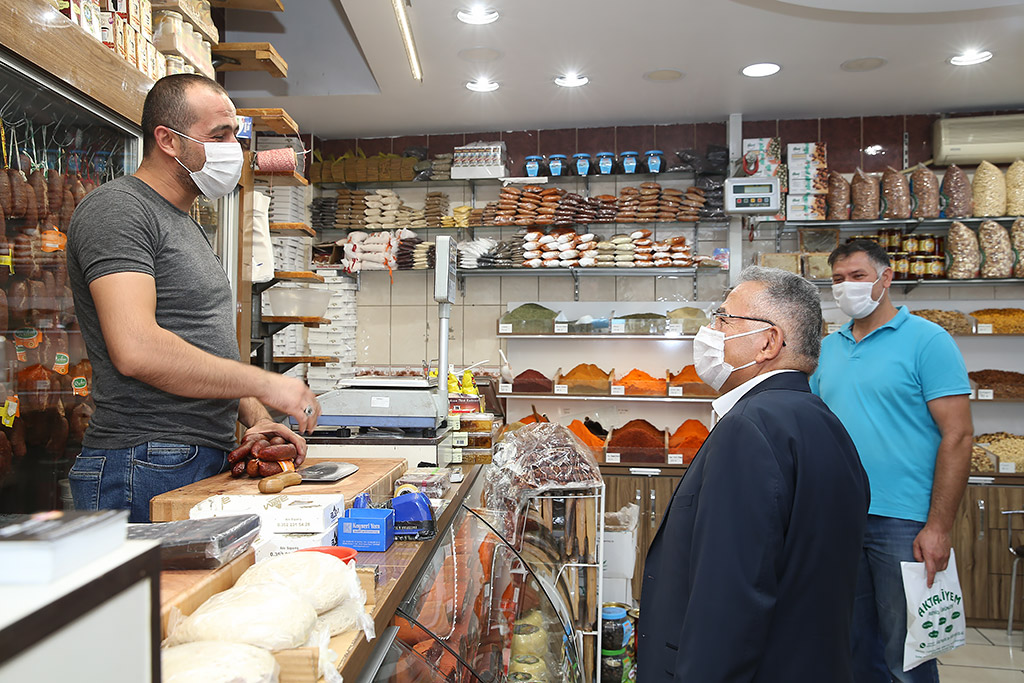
(875, 252)
(167, 105)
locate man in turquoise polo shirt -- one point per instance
(898, 384)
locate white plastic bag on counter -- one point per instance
(324, 580)
(218, 662)
(935, 616)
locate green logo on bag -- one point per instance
(949, 628)
(942, 620)
(956, 615)
(928, 624)
(933, 634)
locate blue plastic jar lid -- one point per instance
(558, 156)
(613, 613)
(533, 156)
(653, 151)
(631, 154)
(581, 155)
(602, 155)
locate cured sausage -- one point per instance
(19, 193)
(78, 191)
(6, 200)
(80, 417)
(67, 208)
(37, 181)
(4, 320)
(54, 192)
(238, 469)
(17, 302)
(268, 469)
(277, 453)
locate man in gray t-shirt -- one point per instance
(154, 306)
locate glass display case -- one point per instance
(56, 148)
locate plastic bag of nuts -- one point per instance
(965, 255)
(995, 245)
(924, 188)
(989, 189)
(956, 192)
(864, 192)
(1017, 237)
(895, 194)
(1015, 189)
(838, 197)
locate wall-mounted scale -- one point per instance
(752, 195)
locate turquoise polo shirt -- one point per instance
(879, 389)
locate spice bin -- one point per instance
(590, 383)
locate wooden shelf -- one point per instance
(606, 397)
(292, 229)
(252, 57)
(274, 120)
(290, 178)
(258, 5)
(298, 276)
(312, 360)
(290, 320)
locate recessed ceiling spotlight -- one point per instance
(482, 85)
(863, 64)
(761, 70)
(571, 80)
(478, 15)
(663, 75)
(970, 58)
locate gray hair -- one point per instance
(792, 303)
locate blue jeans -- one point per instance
(880, 607)
(126, 478)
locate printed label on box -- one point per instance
(675, 458)
(984, 328)
(561, 328)
(460, 439)
(505, 328)
(612, 458)
(504, 388)
(985, 395)
(618, 391)
(675, 392)
(562, 389)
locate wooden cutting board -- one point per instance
(375, 475)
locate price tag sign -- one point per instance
(618, 326)
(561, 328)
(505, 328)
(612, 458)
(675, 392)
(504, 388)
(618, 391)
(457, 456)
(675, 458)
(562, 389)
(985, 328)
(454, 422)
(1007, 468)
(985, 395)
(460, 439)
(834, 327)
(674, 330)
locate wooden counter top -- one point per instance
(375, 475)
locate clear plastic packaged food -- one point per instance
(964, 252)
(989, 191)
(997, 250)
(1015, 189)
(477, 422)
(924, 188)
(433, 481)
(956, 193)
(895, 194)
(1017, 238)
(838, 197)
(199, 543)
(864, 195)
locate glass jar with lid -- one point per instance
(900, 265)
(534, 166)
(606, 163)
(558, 165)
(654, 160)
(582, 164)
(630, 162)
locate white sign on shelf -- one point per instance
(505, 328)
(985, 328)
(674, 330)
(504, 388)
(675, 392)
(1007, 468)
(460, 439)
(454, 422)
(562, 389)
(618, 391)
(985, 395)
(561, 328)
(456, 455)
(612, 458)
(618, 326)
(675, 458)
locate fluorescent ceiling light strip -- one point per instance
(405, 28)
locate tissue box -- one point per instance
(280, 514)
(367, 529)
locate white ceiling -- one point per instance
(340, 88)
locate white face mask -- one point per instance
(854, 298)
(709, 356)
(223, 167)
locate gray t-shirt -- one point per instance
(126, 226)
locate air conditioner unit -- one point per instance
(971, 140)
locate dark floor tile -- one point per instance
(634, 139)
(708, 134)
(444, 144)
(919, 129)
(768, 128)
(374, 146)
(674, 137)
(882, 143)
(842, 136)
(519, 144)
(558, 141)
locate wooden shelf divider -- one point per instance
(252, 57)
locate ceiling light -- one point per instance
(761, 70)
(663, 75)
(863, 64)
(970, 58)
(571, 80)
(477, 16)
(482, 85)
(405, 28)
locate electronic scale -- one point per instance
(752, 195)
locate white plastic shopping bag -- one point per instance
(262, 249)
(935, 616)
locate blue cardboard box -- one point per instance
(369, 529)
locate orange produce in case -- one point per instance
(590, 440)
(691, 383)
(639, 383)
(688, 439)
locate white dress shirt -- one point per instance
(724, 403)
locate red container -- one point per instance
(346, 555)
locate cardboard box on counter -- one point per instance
(271, 545)
(369, 529)
(806, 207)
(279, 514)
(810, 181)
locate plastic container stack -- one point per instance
(337, 339)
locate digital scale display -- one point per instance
(752, 196)
(753, 189)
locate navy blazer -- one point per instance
(751, 575)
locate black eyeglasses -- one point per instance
(721, 315)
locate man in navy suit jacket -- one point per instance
(751, 575)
